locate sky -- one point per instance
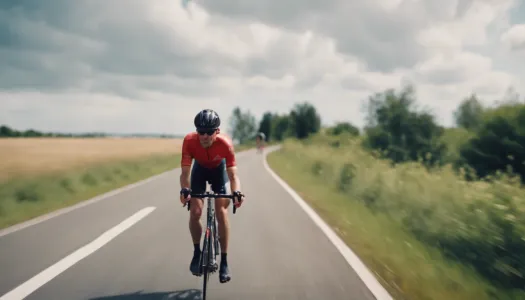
(134, 66)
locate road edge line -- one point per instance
(380, 293)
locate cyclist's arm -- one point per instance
(235, 183)
(231, 169)
(185, 177)
(185, 164)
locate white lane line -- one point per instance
(380, 293)
(51, 272)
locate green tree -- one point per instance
(265, 126)
(499, 143)
(281, 127)
(6, 131)
(305, 120)
(341, 127)
(33, 133)
(243, 125)
(469, 113)
(399, 131)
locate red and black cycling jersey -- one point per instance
(210, 157)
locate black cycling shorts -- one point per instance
(217, 178)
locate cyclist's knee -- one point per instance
(222, 203)
(221, 206)
(195, 214)
(221, 212)
(195, 209)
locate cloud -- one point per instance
(132, 66)
(514, 38)
(453, 69)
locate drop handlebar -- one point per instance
(213, 195)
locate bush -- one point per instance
(343, 127)
(499, 144)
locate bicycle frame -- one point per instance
(211, 246)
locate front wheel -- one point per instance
(216, 238)
(206, 262)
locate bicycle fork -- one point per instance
(214, 236)
(211, 250)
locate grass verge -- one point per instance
(344, 197)
(24, 199)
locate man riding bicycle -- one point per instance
(214, 162)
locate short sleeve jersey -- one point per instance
(210, 157)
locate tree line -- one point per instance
(9, 132)
(302, 121)
(486, 141)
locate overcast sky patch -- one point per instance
(150, 66)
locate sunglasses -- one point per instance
(208, 132)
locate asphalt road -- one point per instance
(276, 250)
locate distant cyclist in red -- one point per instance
(214, 157)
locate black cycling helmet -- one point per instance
(207, 119)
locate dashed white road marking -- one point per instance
(51, 272)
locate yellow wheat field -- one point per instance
(34, 156)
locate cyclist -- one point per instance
(259, 140)
(214, 162)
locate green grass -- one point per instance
(402, 220)
(23, 199)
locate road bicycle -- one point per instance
(210, 247)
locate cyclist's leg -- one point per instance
(219, 184)
(198, 185)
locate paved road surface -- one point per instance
(277, 252)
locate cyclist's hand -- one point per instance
(239, 197)
(185, 195)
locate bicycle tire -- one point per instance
(216, 242)
(208, 248)
(206, 262)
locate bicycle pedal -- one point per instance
(214, 268)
